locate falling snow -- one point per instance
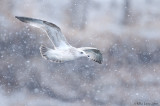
(126, 33)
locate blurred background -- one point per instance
(126, 31)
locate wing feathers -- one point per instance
(53, 31)
(93, 54)
(51, 25)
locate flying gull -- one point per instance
(62, 51)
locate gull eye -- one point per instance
(88, 56)
(81, 52)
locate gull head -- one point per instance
(81, 53)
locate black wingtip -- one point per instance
(100, 62)
(18, 17)
(23, 19)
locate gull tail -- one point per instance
(43, 51)
(48, 54)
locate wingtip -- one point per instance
(17, 17)
(21, 18)
(100, 62)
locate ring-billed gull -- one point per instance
(62, 51)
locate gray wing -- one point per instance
(93, 54)
(54, 32)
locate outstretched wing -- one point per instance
(93, 54)
(54, 32)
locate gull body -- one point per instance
(61, 55)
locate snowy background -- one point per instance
(126, 31)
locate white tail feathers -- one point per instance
(43, 51)
(47, 53)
